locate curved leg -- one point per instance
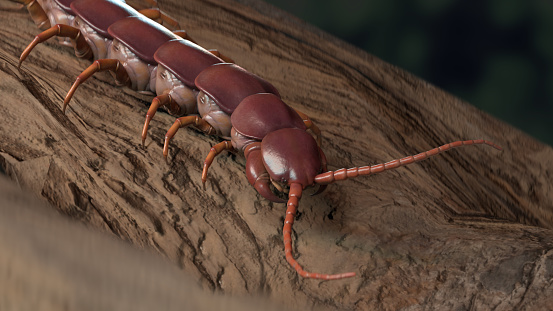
(221, 56)
(37, 13)
(343, 174)
(311, 126)
(82, 49)
(183, 34)
(292, 206)
(257, 174)
(159, 16)
(215, 151)
(157, 102)
(98, 65)
(153, 3)
(196, 121)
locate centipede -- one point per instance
(147, 51)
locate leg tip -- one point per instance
(349, 275)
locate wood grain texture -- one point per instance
(50, 262)
(467, 229)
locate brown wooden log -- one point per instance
(467, 229)
(50, 262)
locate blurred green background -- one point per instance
(495, 54)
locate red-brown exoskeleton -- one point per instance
(150, 59)
(85, 26)
(47, 13)
(232, 103)
(280, 152)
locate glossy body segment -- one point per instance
(89, 29)
(141, 35)
(101, 14)
(185, 59)
(228, 84)
(46, 13)
(133, 55)
(291, 156)
(260, 114)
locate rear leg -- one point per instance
(196, 121)
(150, 9)
(112, 65)
(82, 49)
(213, 152)
(310, 126)
(37, 13)
(160, 17)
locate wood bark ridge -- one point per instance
(50, 262)
(468, 229)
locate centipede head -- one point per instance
(286, 153)
(284, 157)
(291, 155)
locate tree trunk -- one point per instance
(470, 228)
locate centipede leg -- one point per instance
(157, 102)
(113, 65)
(183, 34)
(196, 121)
(157, 15)
(82, 49)
(142, 4)
(37, 13)
(215, 151)
(221, 56)
(291, 208)
(311, 126)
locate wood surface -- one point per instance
(49, 263)
(469, 229)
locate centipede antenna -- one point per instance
(343, 174)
